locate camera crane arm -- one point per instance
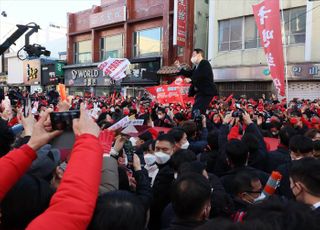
(13, 38)
(30, 49)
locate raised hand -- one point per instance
(85, 124)
(27, 122)
(42, 132)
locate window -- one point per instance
(295, 25)
(111, 46)
(224, 35)
(230, 30)
(252, 39)
(230, 34)
(147, 43)
(82, 52)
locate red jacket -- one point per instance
(13, 166)
(72, 206)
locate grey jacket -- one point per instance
(109, 175)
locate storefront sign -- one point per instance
(306, 71)
(110, 16)
(32, 72)
(86, 77)
(3, 80)
(48, 75)
(180, 22)
(59, 69)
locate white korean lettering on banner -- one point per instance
(119, 124)
(115, 68)
(270, 60)
(277, 85)
(268, 21)
(263, 14)
(267, 36)
(137, 122)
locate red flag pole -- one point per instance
(113, 98)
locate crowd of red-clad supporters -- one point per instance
(178, 171)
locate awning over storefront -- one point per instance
(167, 70)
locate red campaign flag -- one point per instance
(184, 89)
(166, 94)
(152, 90)
(229, 98)
(113, 98)
(267, 16)
(176, 92)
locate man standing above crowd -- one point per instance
(201, 79)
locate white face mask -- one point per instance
(185, 145)
(160, 117)
(175, 175)
(133, 141)
(150, 159)
(112, 110)
(162, 158)
(193, 60)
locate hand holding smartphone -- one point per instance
(63, 120)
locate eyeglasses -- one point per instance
(254, 192)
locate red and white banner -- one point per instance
(267, 16)
(115, 67)
(176, 92)
(166, 94)
(180, 22)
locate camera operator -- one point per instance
(196, 134)
(201, 79)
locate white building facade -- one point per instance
(238, 61)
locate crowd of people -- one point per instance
(182, 170)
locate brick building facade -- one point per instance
(140, 30)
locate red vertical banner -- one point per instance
(267, 16)
(180, 22)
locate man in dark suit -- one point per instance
(201, 79)
(281, 155)
(305, 182)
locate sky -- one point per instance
(43, 12)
